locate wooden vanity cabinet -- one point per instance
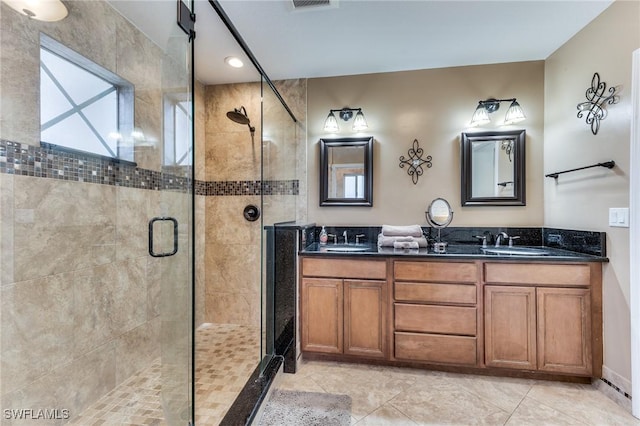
(322, 316)
(539, 317)
(528, 316)
(344, 306)
(435, 312)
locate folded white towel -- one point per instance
(406, 245)
(384, 241)
(402, 231)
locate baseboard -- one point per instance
(615, 387)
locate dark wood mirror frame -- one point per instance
(519, 176)
(325, 144)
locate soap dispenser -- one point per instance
(323, 237)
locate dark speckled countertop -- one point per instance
(463, 251)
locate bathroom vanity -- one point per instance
(501, 314)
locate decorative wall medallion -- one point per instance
(415, 162)
(595, 104)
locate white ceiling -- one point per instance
(370, 36)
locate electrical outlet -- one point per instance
(619, 217)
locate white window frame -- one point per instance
(125, 96)
(171, 102)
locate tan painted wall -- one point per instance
(581, 200)
(433, 106)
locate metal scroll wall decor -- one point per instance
(415, 162)
(595, 104)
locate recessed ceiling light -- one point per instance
(234, 62)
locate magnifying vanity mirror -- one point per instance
(439, 215)
(346, 171)
(493, 168)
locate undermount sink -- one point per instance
(347, 248)
(516, 251)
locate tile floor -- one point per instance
(226, 355)
(400, 396)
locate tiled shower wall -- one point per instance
(80, 298)
(233, 180)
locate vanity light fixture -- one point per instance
(331, 123)
(42, 10)
(481, 115)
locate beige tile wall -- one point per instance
(232, 245)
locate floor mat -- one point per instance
(306, 409)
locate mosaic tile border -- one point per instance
(248, 187)
(28, 160)
(616, 388)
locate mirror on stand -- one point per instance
(439, 215)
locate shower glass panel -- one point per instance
(279, 204)
(93, 328)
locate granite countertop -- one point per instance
(463, 251)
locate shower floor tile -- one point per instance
(226, 355)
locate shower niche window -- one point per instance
(177, 129)
(83, 106)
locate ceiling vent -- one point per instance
(312, 4)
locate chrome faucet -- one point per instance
(499, 237)
(346, 238)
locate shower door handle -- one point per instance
(175, 236)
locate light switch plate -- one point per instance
(619, 217)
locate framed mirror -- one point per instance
(493, 168)
(346, 171)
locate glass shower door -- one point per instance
(279, 205)
(174, 222)
(162, 141)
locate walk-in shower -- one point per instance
(95, 326)
(85, 310)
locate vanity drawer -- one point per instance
(537, 273)
(435, 348)
(435, 293)
(344, 268)
(459, 272)
(435, 319)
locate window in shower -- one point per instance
(177, 129)
(83, 106)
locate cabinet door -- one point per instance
(510, 327)
(322, 321)
(564, 333)
(365, 318)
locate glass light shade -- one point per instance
(331, 124)
(480, 116)
(359, 123)
(42, 10)
(514, 114)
